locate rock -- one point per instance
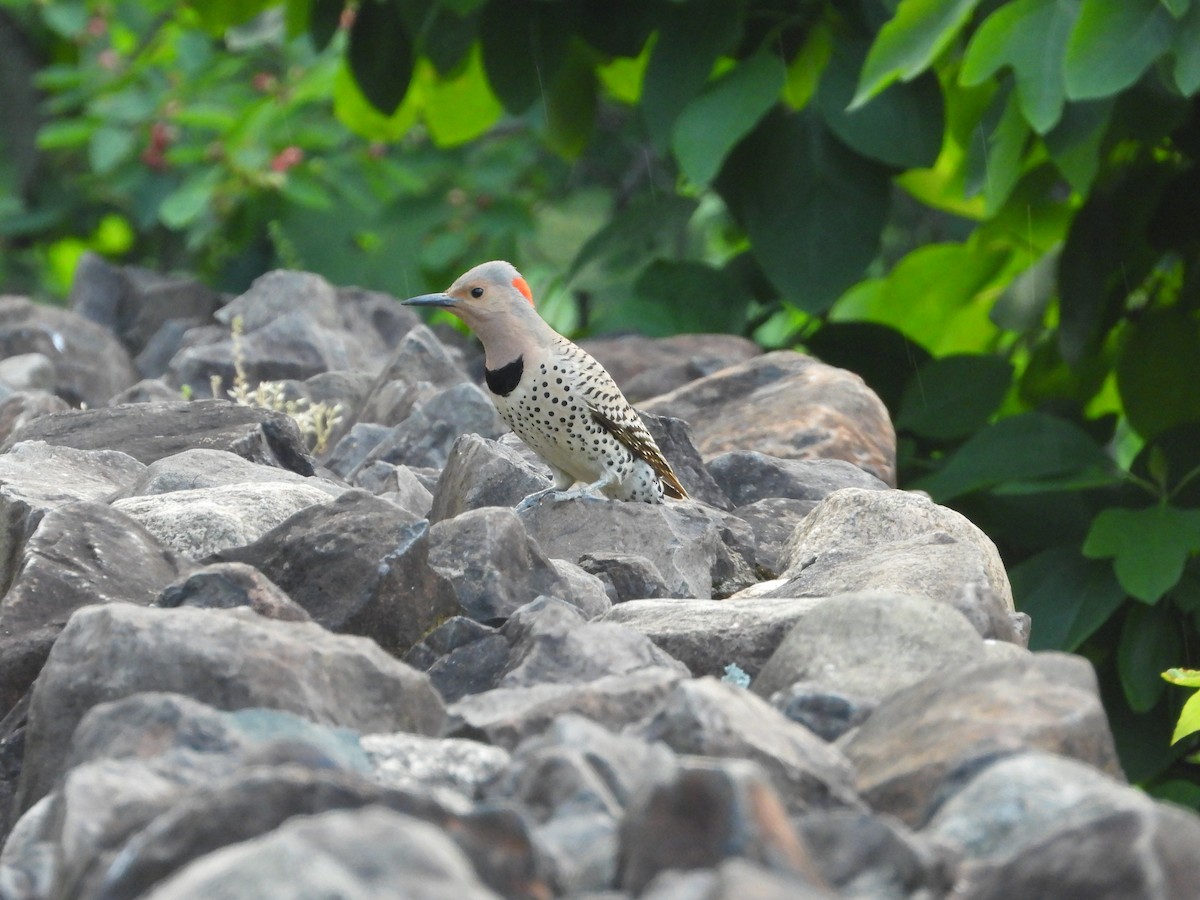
(232, 659)
(195, 469)
(481, 472)
(552, 644)
(228, 586)
(28, 372)
(416, 763)
(204, 521)
(871, 644)
(357, 565)
(351, 451)
(36, 477)
(150, 431)
(397, 484)
(17, 410)
(706, 717)
(747, 476)
(925, 741)
(699, 551)
(136, 303)
(495, 567)
(374, 315)
(506, 716)
(89, 362)
(857, 522)
(826, 712)
(81, 553)
(773, 520)
(678, 444)
(734, 879)
(704, 812)
(875, 857)
(646, 367)
(281, 293)
(420, 356)
(787, 405)
(426, 436)
(356, 853)
(708, 635)
(630, 575)
(148, 390)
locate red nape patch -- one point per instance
(523, 286)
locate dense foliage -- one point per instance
(988, 209)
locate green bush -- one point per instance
(986, 209)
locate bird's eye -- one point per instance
(476, 292)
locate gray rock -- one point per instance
(28, 372)
(856, 522)
(414, 762)
(397, 484)
(646, 367)
(427, 435)
(19, 409)
(351, 451)
(678, 444)
(748, 476)
(826, 712)
(280, 293)
(150, 431)
(232, 659)
(462, 657)
(704, 812)
(204, 521)
(480, 472)
(228, 586)
(773, 520)
(420, 356)
(700, 551)
(36, 477)
(924, 742)
(495, 567)
(934, 565)
(871, 644)
(787, 405)
(875, 857)
(708, 635)
(506, 716)
(194, 469)
(552, 644)
(148, 390)
(626, 576)
(734, 879)
(357, 853)
(90, 364)
(81, 553)
(707, 717)
(357, 565)
(374, 315)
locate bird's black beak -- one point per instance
(441, 300)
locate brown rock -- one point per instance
(787, 405)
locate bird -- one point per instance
(557, 398)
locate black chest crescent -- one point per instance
(503, 380)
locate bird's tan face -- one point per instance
(487, 292)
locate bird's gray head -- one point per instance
(489, 289)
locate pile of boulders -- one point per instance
(231, 667)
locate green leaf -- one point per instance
(1160, 352)
(1176, 7)
(995, 164)
(1112, 44)
(462, 108)
(812, 208)
(630, 240)
(690, 39)
(217, 16)
(571, 104)
(324, 17)
(723, 114)
(1187, 53)
(617, 29)
(109, 147)
(64, 134)
(954, 396)
(524, 43)
(696, 297)
(1076, 141)
(447, 41)
(360, 116)
(1030, 36)
(1067, 596)
(1149, 638)
(902, 127)
(1183, 677)
(1189, 719)
(1030, 447)
(380, 54)
(1022, 306)
(909, 43)
(184, 205)
(1149, 546)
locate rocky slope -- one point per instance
(231, 669)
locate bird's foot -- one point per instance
(590, 493)
(536, 498)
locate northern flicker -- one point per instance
(555, 396)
